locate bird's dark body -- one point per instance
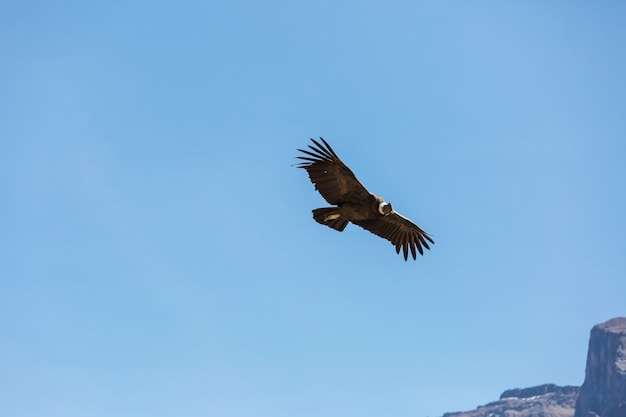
(347, 211)
(340, 187)
(360, 211)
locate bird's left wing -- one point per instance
(332, 178)
(400, 231)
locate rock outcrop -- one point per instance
(539, 390)
(604, 391)
(603, 394)
(547, 400)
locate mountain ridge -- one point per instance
(602, 394)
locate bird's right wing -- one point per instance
(331, 177)
(400, 231)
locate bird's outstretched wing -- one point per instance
(331, 177)
(400, 231)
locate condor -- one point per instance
(353, 203)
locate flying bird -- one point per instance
(353, 203)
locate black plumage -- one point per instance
(340, 187)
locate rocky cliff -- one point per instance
(547, 400)
(603, 394)
(604, 391)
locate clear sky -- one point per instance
(157, 250)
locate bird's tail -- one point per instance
(331, 217)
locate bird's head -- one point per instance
(384, 208)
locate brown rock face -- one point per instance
(604, 391)
(547, 400)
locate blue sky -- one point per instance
(157, 250)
